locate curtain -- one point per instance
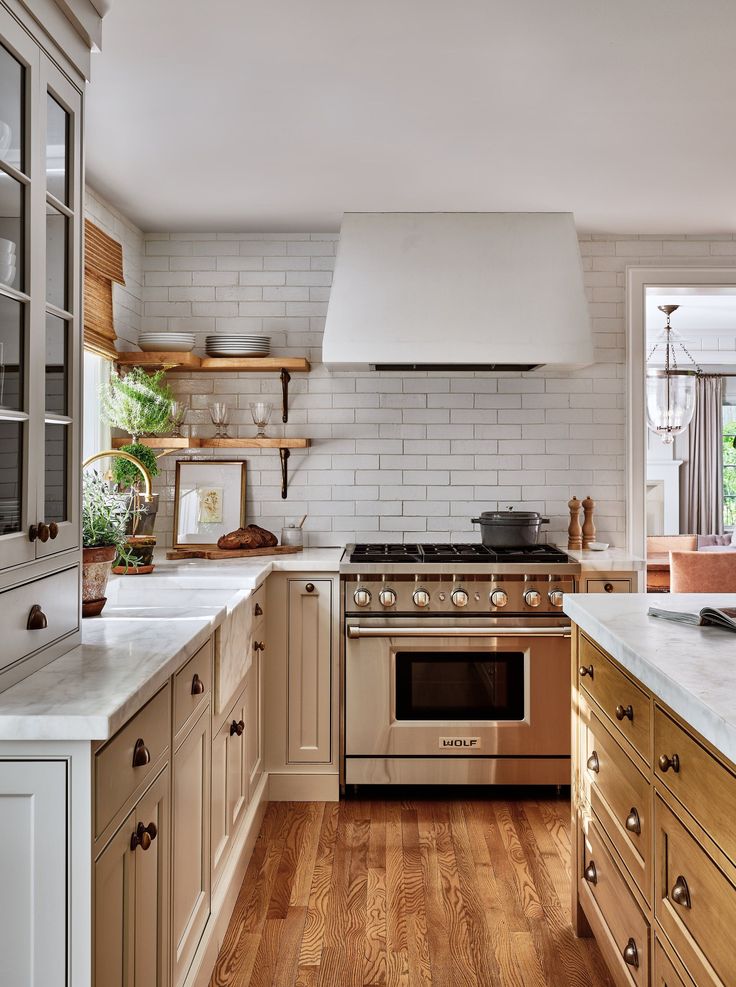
(704, 468)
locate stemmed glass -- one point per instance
(178, 411)
(261, 413)
(220, 416)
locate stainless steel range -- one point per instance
(456, 665)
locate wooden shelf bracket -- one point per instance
(284, 457)
(285, 378)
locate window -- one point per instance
(96, 434)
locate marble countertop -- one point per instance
(151, 625)
(611, 560)
(692, 669)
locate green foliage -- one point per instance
(105, 516)
(729, 472)
(125, 473)
(137, 402)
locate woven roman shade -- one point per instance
(103, 264)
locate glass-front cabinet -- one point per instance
(41, 200)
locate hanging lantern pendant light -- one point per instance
(670, 391)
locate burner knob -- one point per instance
(362, 597)
(499, 598)
(532, 598)
(387, 597)
(421, 597)
(555, 597)
(459, 598)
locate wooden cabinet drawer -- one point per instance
(705, 787)
(694, 902)
(621, 930)
(192, 686)
(127, 760)
(665, 973)
(608, 585)
(620, 796)
(58, 598)
(626, 706)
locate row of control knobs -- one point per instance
(498, 598)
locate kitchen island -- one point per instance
(654, 789)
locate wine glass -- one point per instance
(178, 411)
(261, 413)
(220, 416)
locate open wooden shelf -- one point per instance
(194, 442)
(209, 364)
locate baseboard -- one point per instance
(303, 788)
(225, 895)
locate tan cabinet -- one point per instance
(310, 660)
(254, 724)
(131, 893)
(613, 584)
(230, 782)
(190, 797)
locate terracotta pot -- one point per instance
(142, 547)
(96, 566)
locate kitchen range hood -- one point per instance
(457, 291)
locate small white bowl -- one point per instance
(598, 546)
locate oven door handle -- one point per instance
(356, 631)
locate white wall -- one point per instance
(402, 456)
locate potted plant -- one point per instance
(105, 518)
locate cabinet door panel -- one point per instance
(33, 861)
(237, 763)
(254, 725)
(151, 909)
(220, 816)
(114, 939)
(191, 843)
(310, 670)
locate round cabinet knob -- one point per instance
(309, 587)
(387, 597)
(555, 597)
(143, 836)
(421, 597)
(625, 712)
(665, 762)
(585, 670)
(593, 763)
(460, 598)
(237, 727)
(532, 598)
(53, 530)
(43, 532)
(362, 597)
(499, 598)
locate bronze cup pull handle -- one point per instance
(237, 727)
(259, 646)
(633, 822)
(680, 892)
(631, 954)
(36, 619)
(141, 754)
(625, 712)
(590, 873)
(585, 670)
(197, 685)
(258, 611)
(665, 762)
(593, 764)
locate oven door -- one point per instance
(428, 690)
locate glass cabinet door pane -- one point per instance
(12, 85)
(57, 149)
(11, 473)
(56, 258)
(55, 473)
(11, 354)
(56, 365)
(11, 233)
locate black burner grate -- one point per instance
(461, 553)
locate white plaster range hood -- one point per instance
(496, 291)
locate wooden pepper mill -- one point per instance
(574, 531)
(588, 523)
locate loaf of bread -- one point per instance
(251, 537)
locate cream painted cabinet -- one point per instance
(190, 798)
(230, 782)
(131, 877)
(309, 676)
(254, 724)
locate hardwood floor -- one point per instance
(467, 893)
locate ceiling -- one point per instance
(274, 116)
(703, 311)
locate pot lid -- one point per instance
(511, 516)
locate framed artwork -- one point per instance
(209, 500)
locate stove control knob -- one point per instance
(387, 597)
(532, 598)
(460, 598)
(362, 597)
(555, 597)
(499, 598)
(421, 597)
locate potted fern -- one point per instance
(105, 519)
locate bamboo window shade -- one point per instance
(103, 264)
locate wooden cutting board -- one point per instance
(230, 553)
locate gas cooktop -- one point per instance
(416, 554)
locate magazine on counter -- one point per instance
(708, 617)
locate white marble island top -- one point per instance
(151, 625)
(692, 669)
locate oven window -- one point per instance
(472, 685)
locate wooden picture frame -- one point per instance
(209, 501)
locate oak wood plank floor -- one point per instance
(422, 893)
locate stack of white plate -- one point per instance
(166, 342)
(8, 261)
(241, 344)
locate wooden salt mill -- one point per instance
(574, 531)
(588, 523)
